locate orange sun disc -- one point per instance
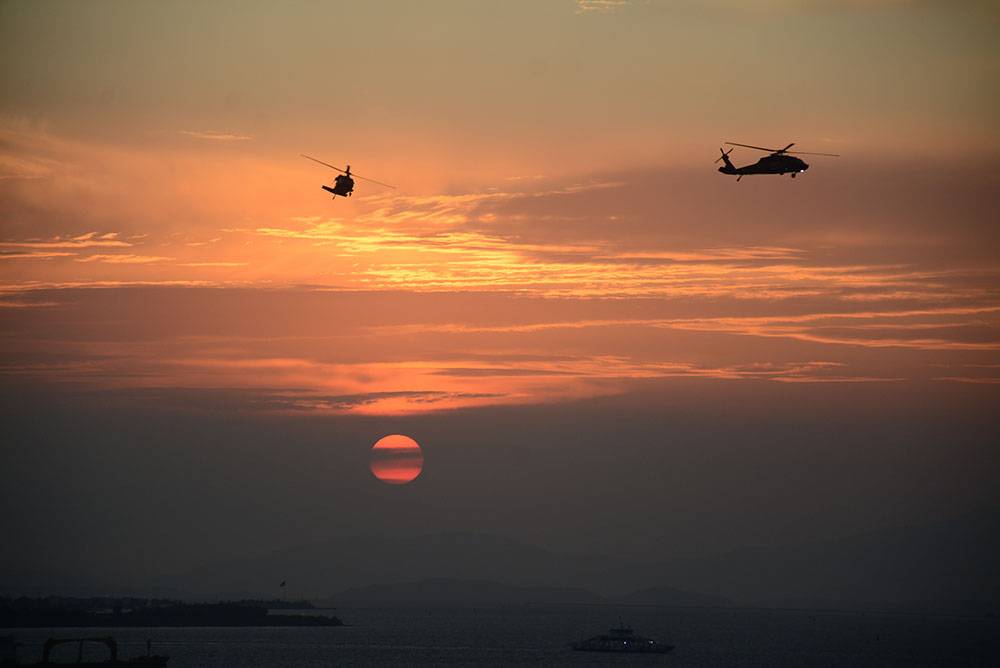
(396, 459)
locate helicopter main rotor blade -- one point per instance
(372, 180)
(759, 148)
(832, 155)
(322, 163)
(783, 150)
(343, 171)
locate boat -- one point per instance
(146, 661)
(623, 640)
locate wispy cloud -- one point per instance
(317, 351)
(32, 255)
(86, 240)
(599, 6)
(25, 167)
(892, 329)
(33, 286)
(975, 380)
(407, 386)
(713, 254)
(448, 256)
(880, 329)
(211, 135)
(18, 304)
(123, 259)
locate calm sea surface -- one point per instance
(539, 636)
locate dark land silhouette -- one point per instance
(56, 612)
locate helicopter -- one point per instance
(343, 185)
(778, 162)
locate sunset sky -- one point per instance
(560, 270)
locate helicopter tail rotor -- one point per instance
(728, 167)
(725, 154)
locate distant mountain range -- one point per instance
(951, 565)
(669, 596)
(445, 591)
(947, 565)
(335, 565)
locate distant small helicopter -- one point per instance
(343, 185)
(779, 162)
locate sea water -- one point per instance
(541, 635)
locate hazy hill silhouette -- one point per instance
(338, 564)
(669, 596)
(945, 565)
(447, 591)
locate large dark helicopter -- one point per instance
(343, 185)
(779, 162)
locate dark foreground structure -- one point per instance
(8, 654)
(623, 641)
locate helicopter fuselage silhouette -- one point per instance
(769, 164)
(343, 185)
(778, 162)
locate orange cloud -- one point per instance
(599, 6)
(86, 240)
(123, 259)
(549, 289)
(216, 136)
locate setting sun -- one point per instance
(397, 459)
